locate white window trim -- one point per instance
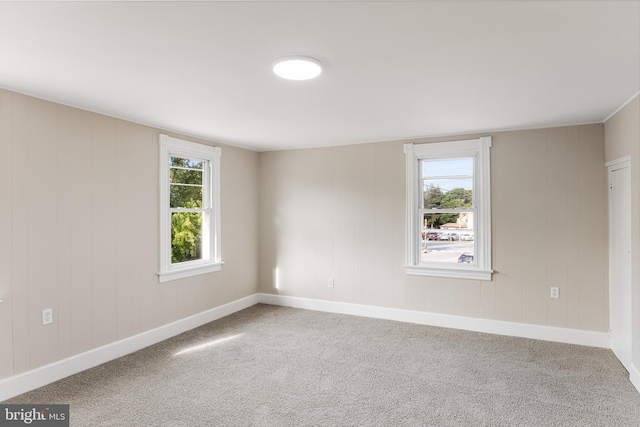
(173, 146)
(479, 150)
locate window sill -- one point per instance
(450, 272)
(184, 272)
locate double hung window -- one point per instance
(448, 209)
(189, 208)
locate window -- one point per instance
(189, 208)
(449, 209)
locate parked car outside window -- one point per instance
(432, 235)
(466, 258)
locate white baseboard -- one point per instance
(539, 332)
(30, 380)
(634, 376)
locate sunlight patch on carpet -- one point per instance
(207, 344)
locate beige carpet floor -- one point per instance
(275, 366)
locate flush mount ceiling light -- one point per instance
(297, 68)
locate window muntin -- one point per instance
(189, 208)
(448, 209)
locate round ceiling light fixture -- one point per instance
(297, 68)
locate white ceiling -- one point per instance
(392, 70)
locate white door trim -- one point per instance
(620, 304)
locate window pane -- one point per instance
(185, 178)
(447, 238)
(181, 196)
(186, 163)
(186, 236)
(185, 171)
(447, 167)
(447, 193)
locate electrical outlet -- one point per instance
(555, 292)
(47, 316)
(331, 283)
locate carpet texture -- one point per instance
(276, 366)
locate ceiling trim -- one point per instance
(622, 106)
(401, 139)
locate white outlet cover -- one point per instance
(47, 316)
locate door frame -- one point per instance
(627, 308)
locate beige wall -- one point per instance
(622, 138)
(79, 230)
(340, 212)
(79, 233)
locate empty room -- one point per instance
(320, 213)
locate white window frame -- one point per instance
(211, 260)
(478, 149)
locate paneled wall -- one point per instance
(79, 230)
(79, 233)
(622, 138)
(339, 213)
